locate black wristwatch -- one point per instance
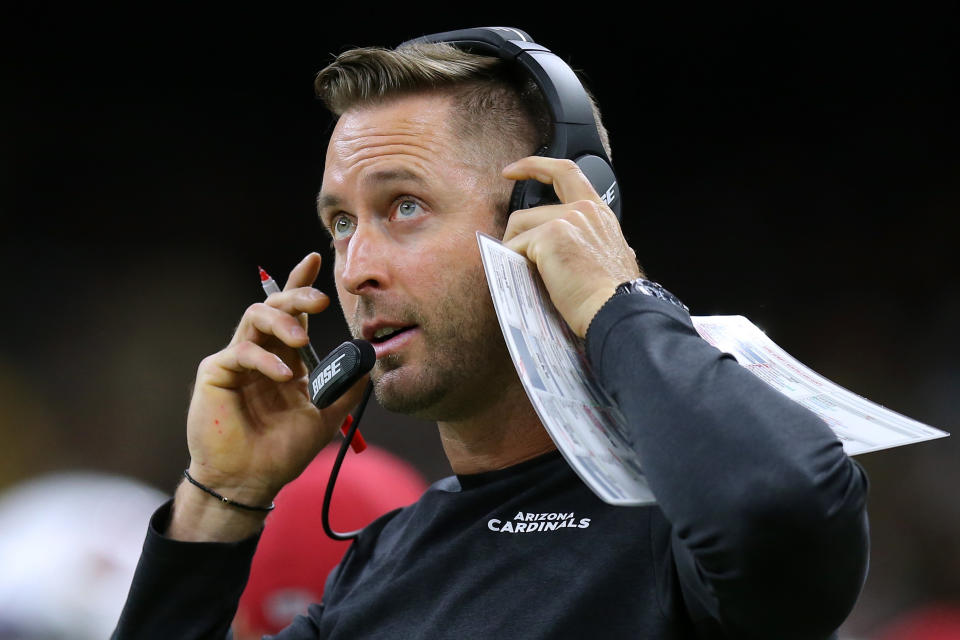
(648, 288)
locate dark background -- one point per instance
(798, 167)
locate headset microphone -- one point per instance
(329, 380)
(340, 370)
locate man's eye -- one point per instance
(408, 209)
(342, 227)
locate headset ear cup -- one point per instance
(527, 194)
(517, 197)
(600, 174)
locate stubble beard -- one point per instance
(464, 361)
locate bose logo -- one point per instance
(327, 374)
(609, 196)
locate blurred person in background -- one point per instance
(69, 544)
(935, 621)
(294, 556)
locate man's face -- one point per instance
(403, 206)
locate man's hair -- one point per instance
(497, 111)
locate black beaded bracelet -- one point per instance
(224, 499)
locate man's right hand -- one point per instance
(251, 427)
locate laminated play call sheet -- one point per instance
(586, 425)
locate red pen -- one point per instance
(310, 359)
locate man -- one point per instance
(760, 529)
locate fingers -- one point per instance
(228, 367)
(584, 214)
(351, 397)
(298, 300)
(284, 314)
(305, 273)
(565, 176)
(555, 237)
(281, 317)
(277, 317)
(580, 204)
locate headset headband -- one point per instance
(574, 131)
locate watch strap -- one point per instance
(649, 288)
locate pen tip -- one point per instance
(264, 276)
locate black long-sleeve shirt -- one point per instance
(760, 530)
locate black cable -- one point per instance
(328, 494)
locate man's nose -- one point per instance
(364, 263)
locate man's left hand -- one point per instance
(577, 245)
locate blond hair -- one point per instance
(496, 109)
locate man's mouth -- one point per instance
(384, 334)
(387, 337)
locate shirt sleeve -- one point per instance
(768, 513)
(184, 590)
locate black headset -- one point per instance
(574, 131)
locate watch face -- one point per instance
(649, 288)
